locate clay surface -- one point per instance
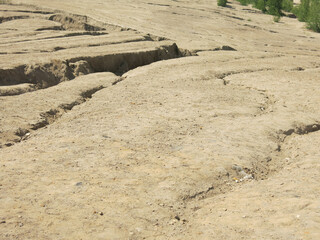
(153, 119)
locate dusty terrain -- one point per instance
(157, 120)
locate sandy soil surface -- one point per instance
(157, 120)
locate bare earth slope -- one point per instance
(157, 120)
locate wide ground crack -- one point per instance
(65, 67)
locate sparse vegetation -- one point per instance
(272, 7)
(308, 11)
(5, 1)
(222, 3)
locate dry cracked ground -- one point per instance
(145, 119)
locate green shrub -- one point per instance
(295, 10)
(313, 19)
(260, 4)
(274, 7)
(303, 10)
(222, 3)
(287, 5)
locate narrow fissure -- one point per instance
(51, 116)
(260, 170)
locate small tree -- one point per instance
(222, 3)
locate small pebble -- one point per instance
(237, 168)
(173, 221)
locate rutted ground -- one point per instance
(223, 145)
